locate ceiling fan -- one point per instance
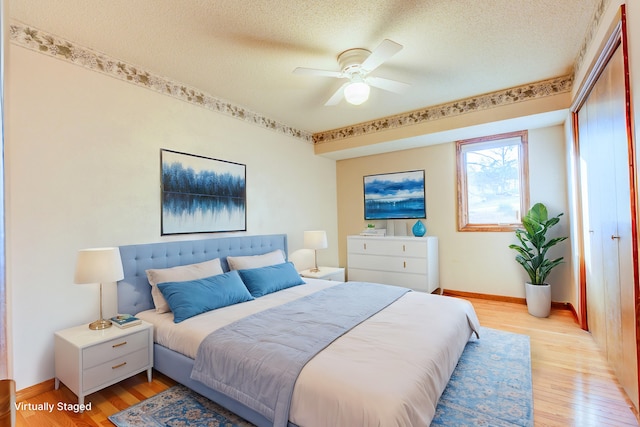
(356, 65)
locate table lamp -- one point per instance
(315, 240)
(99, 265)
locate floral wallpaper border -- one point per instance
(455, 108)
(40, 41)
(591, 32)
(57, 47)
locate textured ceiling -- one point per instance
(244, 51)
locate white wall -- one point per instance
(477, 262)
(82, 157)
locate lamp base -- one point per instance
(100, 324)
(314, 270)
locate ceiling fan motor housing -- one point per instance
(350, 60)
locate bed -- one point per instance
(388, 369)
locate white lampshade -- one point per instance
(357, 92)
(315, 239)
(99, 265)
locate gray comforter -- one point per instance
(257, 360)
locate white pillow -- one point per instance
(256, 261)
(181, 273)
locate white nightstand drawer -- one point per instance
(109, 350)
(120, 367)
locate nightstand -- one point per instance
(326, 273)
(90, 360)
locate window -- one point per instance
(493, 182)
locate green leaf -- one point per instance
(538, 213)
(533, 247)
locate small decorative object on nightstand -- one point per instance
(88, 360)
(335, 274)
(315, 240)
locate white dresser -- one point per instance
(411, 262)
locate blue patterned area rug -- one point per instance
(177, 406)
(491, 386)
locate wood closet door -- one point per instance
(606, 191)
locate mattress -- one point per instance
(389, 370)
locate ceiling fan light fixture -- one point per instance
(356, 64)
(357, 93)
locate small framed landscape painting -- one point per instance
(399, 195)
(201, 195)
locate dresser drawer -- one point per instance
(111, 370)
(387, 263)
(387, 247)
(417, 282)
(112, 349)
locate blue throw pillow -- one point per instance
(193, 297)
(265, 280)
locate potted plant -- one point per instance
(532, 256)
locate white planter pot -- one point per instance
(538, 299)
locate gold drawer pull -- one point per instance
(404, 248)
(404, 264)
(119, 345)
(119, 366)
(365, 246)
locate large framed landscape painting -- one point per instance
(399, 195)
(201, 194)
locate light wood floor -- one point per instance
(572, 384)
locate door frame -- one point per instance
(617, 37)
(5, 365)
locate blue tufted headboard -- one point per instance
(134, 292)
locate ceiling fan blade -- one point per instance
(336, 97)
(388, 85)
(314, 72)
(384, 51)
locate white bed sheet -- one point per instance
(388, 371)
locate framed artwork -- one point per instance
(202, 195)
(399, 195)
